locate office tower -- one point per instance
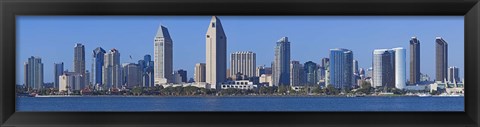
(183, 75)
(362, 73)
(112, 71)
(400, 67)
(296, 77)
(355, 67)
(163, 55)
(199, 73)
(326, 66)
(310, 71)
(260, 70)
(320, 75)
(281, 64)
(244, 63)
(34, 73)
(414, 61)
(70, 81)
(132, 75)
(87, 78)
(383, 68)
(146, 66)
(97, 66)
(58, 70)
(341, 68)
(79, 60)
(216, 53)
(453, 76)
(369, 72)
(441, 59)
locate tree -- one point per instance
(330, 90)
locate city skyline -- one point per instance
(266, 51)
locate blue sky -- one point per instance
(53, 37)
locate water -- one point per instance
(240, 104)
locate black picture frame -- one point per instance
(10, 8)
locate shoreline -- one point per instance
(211, 96)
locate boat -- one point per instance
(424, 95)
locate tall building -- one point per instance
(163, 55)
(355, 67)
(132, 75)
(400, 67)
(58, 70)
(297, 73)
(383, 68)
(310, 71)
(243, 62)
(441, 59)
(183, 75)
(87, 78)
(414, 61)
(34, 73)
(280, 67)
(216, 53)
(97, 66)
(79, 60)
(112, 71)
(341, 68)
(146, 67)
(199, 74)
(326, 66)
(453, 76)
(71, 81)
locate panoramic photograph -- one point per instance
(240, 63)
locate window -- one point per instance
(213, 24)
(208, 36)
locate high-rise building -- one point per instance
(281, 63)
(326, 66)
(441, 59)
(297, 73)
(97, 66)
(79, 60)
(355, 67)
(216, 53)
(383, 68)
(310, 71)
(132, 75)
(34, 73)
(58, 70)
(262, 70)
(341, 68)
(112, 71)
(400, 68)
(453, 76)
(244, 63)
(87, 78)
(163, 55)
(71, 81)
(414, 61)
(200, 71)
(183, 75)
(146, 66)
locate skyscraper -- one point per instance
(453, 76)
(34, 73)
(216, 53)
(383, 68)
(79, 61)
(58, 70)
(243, 62)
(97, 65)
(112, 71)
(414, 61)
(131, 75)
(355, 67)
(163, 55)
(147, 68)
(341, 68)
(326, 66)
(400, 67)
(281, 63)
(183, 75)
(310, 71)
(441, 59)
(297, 73)
(200, 71)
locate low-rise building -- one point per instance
(239, 84)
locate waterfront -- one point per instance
(133, 103)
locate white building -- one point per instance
(163, 56)
(400, 67)
(216, 53)
(266, 79)
(239, 84)
(389, 68)
(70, 81)
(244, 63)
